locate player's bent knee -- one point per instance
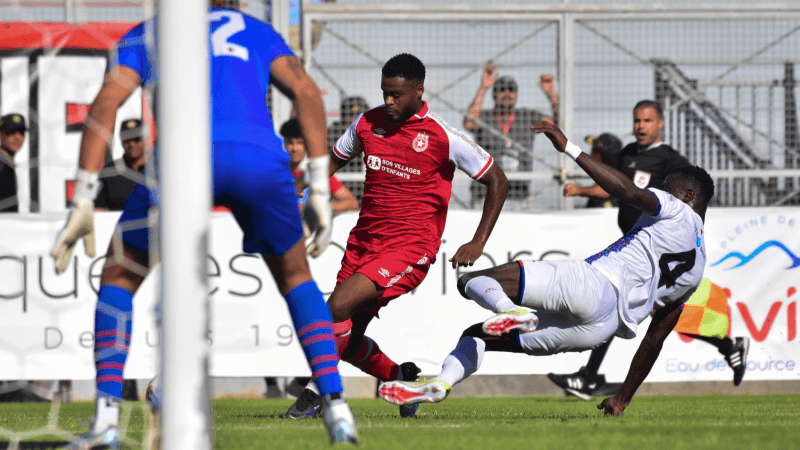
(461, 284)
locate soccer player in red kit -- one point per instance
(411, 155)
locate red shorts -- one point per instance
(398, 271)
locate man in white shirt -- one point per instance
(580, 304)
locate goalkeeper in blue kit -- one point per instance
(251, 177)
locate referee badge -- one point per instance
(641, 179)
(420, 143)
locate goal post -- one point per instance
(185, 178)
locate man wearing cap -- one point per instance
(504, 131)
(349, 110)
(120, 177)
(605, 148)
(12, 136)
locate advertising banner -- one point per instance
(46, 321)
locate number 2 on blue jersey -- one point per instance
(220, 36)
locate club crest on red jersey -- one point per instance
(420, 143)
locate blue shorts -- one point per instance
(253, 182)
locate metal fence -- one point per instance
(724, 72)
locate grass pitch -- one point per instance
(651, 422)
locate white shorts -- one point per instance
(575, 304)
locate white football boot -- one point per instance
(339, 421)
(515, 319)
(410, 392)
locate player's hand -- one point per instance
(571, 190)
(467, 254)
(299, 187)
(552, 132)
(612, 406)
(319, 204)
(489, 76)
(80, 224)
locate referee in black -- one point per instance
(646, 161)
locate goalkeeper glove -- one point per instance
(319, 203)
(80, 223)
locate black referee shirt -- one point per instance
(647, 168)
(115, 189)
(8, 187)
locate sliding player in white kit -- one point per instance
(580, 304)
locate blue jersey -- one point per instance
(251, 169)
(241, 50)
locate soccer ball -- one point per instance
(153, 395)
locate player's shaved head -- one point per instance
(404, 66)
(694, 178)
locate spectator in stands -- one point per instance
(647, 162)
(349, 109)
(12, 136)
(341, 200)
(120, 177)
(605, 148)
(504, 131)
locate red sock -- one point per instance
(370, 359)
(341, 330)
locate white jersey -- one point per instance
(660, 261)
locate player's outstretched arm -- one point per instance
(497, 189)
(594, 191)
(663, 323)
(98, 131)
(294, 82)
(608, 178)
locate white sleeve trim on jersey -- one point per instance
(467, 156)
(348, 144)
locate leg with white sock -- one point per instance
(496, 289)
(461, 363)
(112, 327)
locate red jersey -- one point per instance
(409, 177)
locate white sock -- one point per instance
(488, 293)
(313, 387)
(106, 414)
(463, 361)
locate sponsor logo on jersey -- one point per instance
(641, 179)
(384, 273)
(420, 143)
(373, 162)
